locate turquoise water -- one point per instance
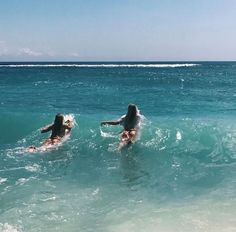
(179, 176)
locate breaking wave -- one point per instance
(99, 65)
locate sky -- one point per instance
(117, 30)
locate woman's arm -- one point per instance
(46, 129)
(117, 122)
(68, 126)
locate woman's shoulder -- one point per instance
(122, 117)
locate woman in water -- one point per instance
(59, 130)
(131, 123)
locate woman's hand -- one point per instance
(103, 123)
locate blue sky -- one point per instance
(105, 30)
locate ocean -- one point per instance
(179, 176)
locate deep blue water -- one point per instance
(179, 174)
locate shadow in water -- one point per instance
(134, 175)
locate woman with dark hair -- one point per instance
(59, 130)
(131, 123)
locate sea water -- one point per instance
(179, 176)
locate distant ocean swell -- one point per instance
(99, 65)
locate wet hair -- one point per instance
(132, 112)
(58, 122)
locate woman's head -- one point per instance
(132, 111)
(58, 122)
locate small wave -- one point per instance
(22, 181)
(98, 65)
(53, 198)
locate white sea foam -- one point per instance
(32, 168)
(177, 65)
(107, 134)
(178, 135)
(95, 192)
(53, 198)
(2, 180)
(8, 228)
(22, 181)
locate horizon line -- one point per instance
(115, 61)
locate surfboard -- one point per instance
(53, 143)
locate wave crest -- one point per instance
(99, 65)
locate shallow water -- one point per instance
(179, 175)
